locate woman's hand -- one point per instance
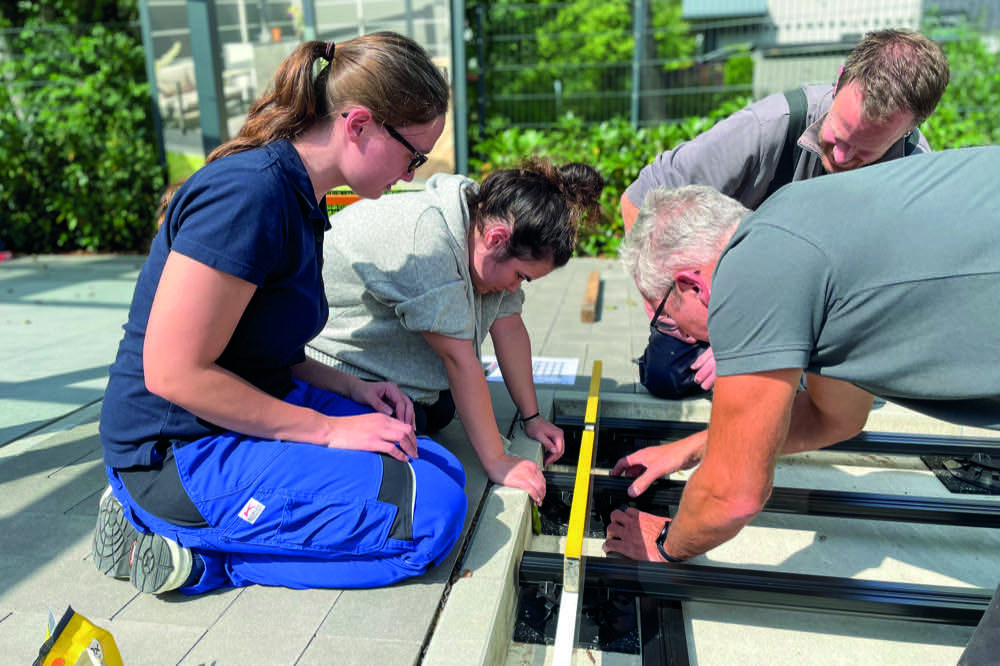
(655, 462)
(376, 432)
(549, 436)
(515, 472)
(384, 397)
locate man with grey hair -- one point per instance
(890, 83)
(859, 280)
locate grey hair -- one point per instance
(675, 230)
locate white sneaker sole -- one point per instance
(158, 564)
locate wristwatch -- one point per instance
(659, 544)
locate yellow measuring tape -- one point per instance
(580, 510)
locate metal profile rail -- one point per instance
(888, 443)
(572, 560)
(803, 592)
(842, 504)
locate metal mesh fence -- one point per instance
(657, 61)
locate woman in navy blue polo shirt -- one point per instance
(234, 459)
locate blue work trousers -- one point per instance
(300, 515)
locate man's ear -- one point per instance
(836, 82)
(688, 280)
(692, 281)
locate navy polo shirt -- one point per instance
(253, 215)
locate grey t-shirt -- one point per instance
(739, 155)
(396, 267)
(886, 277)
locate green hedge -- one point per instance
(78, 162)
(616, 149)
(966, 116)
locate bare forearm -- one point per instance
(220, 397)
(475, 408)
(323, 376)
(750, 420)
(513, 348)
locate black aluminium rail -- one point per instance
(870, 506)
(664, 633)
(802, 592)
(887, 443)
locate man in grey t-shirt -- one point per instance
(866, 295)
(890, 83)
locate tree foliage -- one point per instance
(19, 13)
(551, 57)
(78, 163)
(967, 113)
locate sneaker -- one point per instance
(159, 564)
(114, 537)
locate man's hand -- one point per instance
(384, 397)
(655, 462)
(633, 534)
(515, 472)
(549, 436)
(704, 370)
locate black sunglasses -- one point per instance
(657, 323)
(418, 159)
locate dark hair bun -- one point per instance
(583, 186)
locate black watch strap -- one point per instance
(659, 544)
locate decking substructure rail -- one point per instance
(661, 587)
(885, 443)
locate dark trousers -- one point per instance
(431, 418)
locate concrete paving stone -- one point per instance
(268, 625)
(565, 347)
(46, 360)
(325, 650)
(75, 488)
(402, 612)
(479, 613)
(722, 635)
(43, 536)
(174, 608)
(34, 585)
(888, 551)
(502, 524)
(482, 600)
(459, 652)
(22, 634)
(157, 643)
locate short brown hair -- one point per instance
(897, 70)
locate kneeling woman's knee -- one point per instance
(439, 511)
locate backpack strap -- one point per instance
(797, 106)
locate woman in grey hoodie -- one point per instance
(416, 280)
